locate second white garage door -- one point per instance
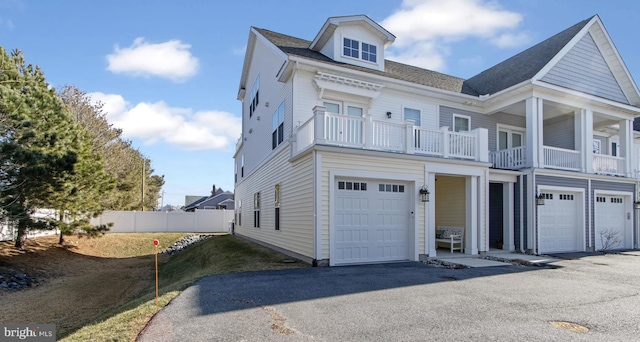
(371, 221)
(560, 222)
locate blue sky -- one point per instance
(168, 71)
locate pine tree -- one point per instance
(36, 142)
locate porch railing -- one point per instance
(561, 158)
(608, 164)
(512, 158)
(366, 133)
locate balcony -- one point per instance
(367, 133)
(557, 158)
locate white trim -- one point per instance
(510, 130)
(418, 108)
(453, 122)
(576, 38)
(317, 170)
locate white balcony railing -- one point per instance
(512, 158)
(344, 130)
(608, 164)
(561, 158)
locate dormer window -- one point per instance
(352, 48)
(369, 52)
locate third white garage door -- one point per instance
(560, 222)
(371, 222)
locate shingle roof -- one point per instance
(524, 65)
(512, 71)
(300, 47)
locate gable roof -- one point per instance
(523, 66)
(300, 48)
(333, 22)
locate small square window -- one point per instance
(388, 187)
(356, 186)
(349, 185)
(341, 185)
(401, 188)
(363, 186)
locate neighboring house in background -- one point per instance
(219, 199)
(348, 158)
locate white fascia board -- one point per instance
(248, 57)
(584, 99)
(254, 37)
(312, 65)
(564, 50)
(619, 61)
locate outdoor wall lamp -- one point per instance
(388, 115)
(424, 193)
(540, 199)
(636, 204)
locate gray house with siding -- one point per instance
(347, 158)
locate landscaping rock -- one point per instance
(185, 242)
(10, 280)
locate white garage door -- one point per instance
(611, 218)
(560, 222)
(371, 222)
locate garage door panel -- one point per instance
(611, 217)
(371, 225)
(559, 222)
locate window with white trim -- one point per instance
(277, 126)
(256, 210)
(461, 123)
(352, 48)
(412, 114)
(369, 52)
(277, 207)
(596, 146)
(509, 137)
(254, 96)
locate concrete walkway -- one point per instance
(493, 259)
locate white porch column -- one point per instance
(445, 141)
(430, 216)
(368, 131)
(626, 144)
(583, 128)
(409, 142)
(471, 231)
(534, 119)
(318, 123)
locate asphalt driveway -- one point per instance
(412, 302)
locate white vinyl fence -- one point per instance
(200, 221)
(8, 230)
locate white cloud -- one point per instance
(171, 59)
(425, 29)
(507, 40)
(158, 122)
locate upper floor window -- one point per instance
(461, 123)
(277, 126)
(255, 96)
(352, 47)
(369, 52)
(412, 114)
